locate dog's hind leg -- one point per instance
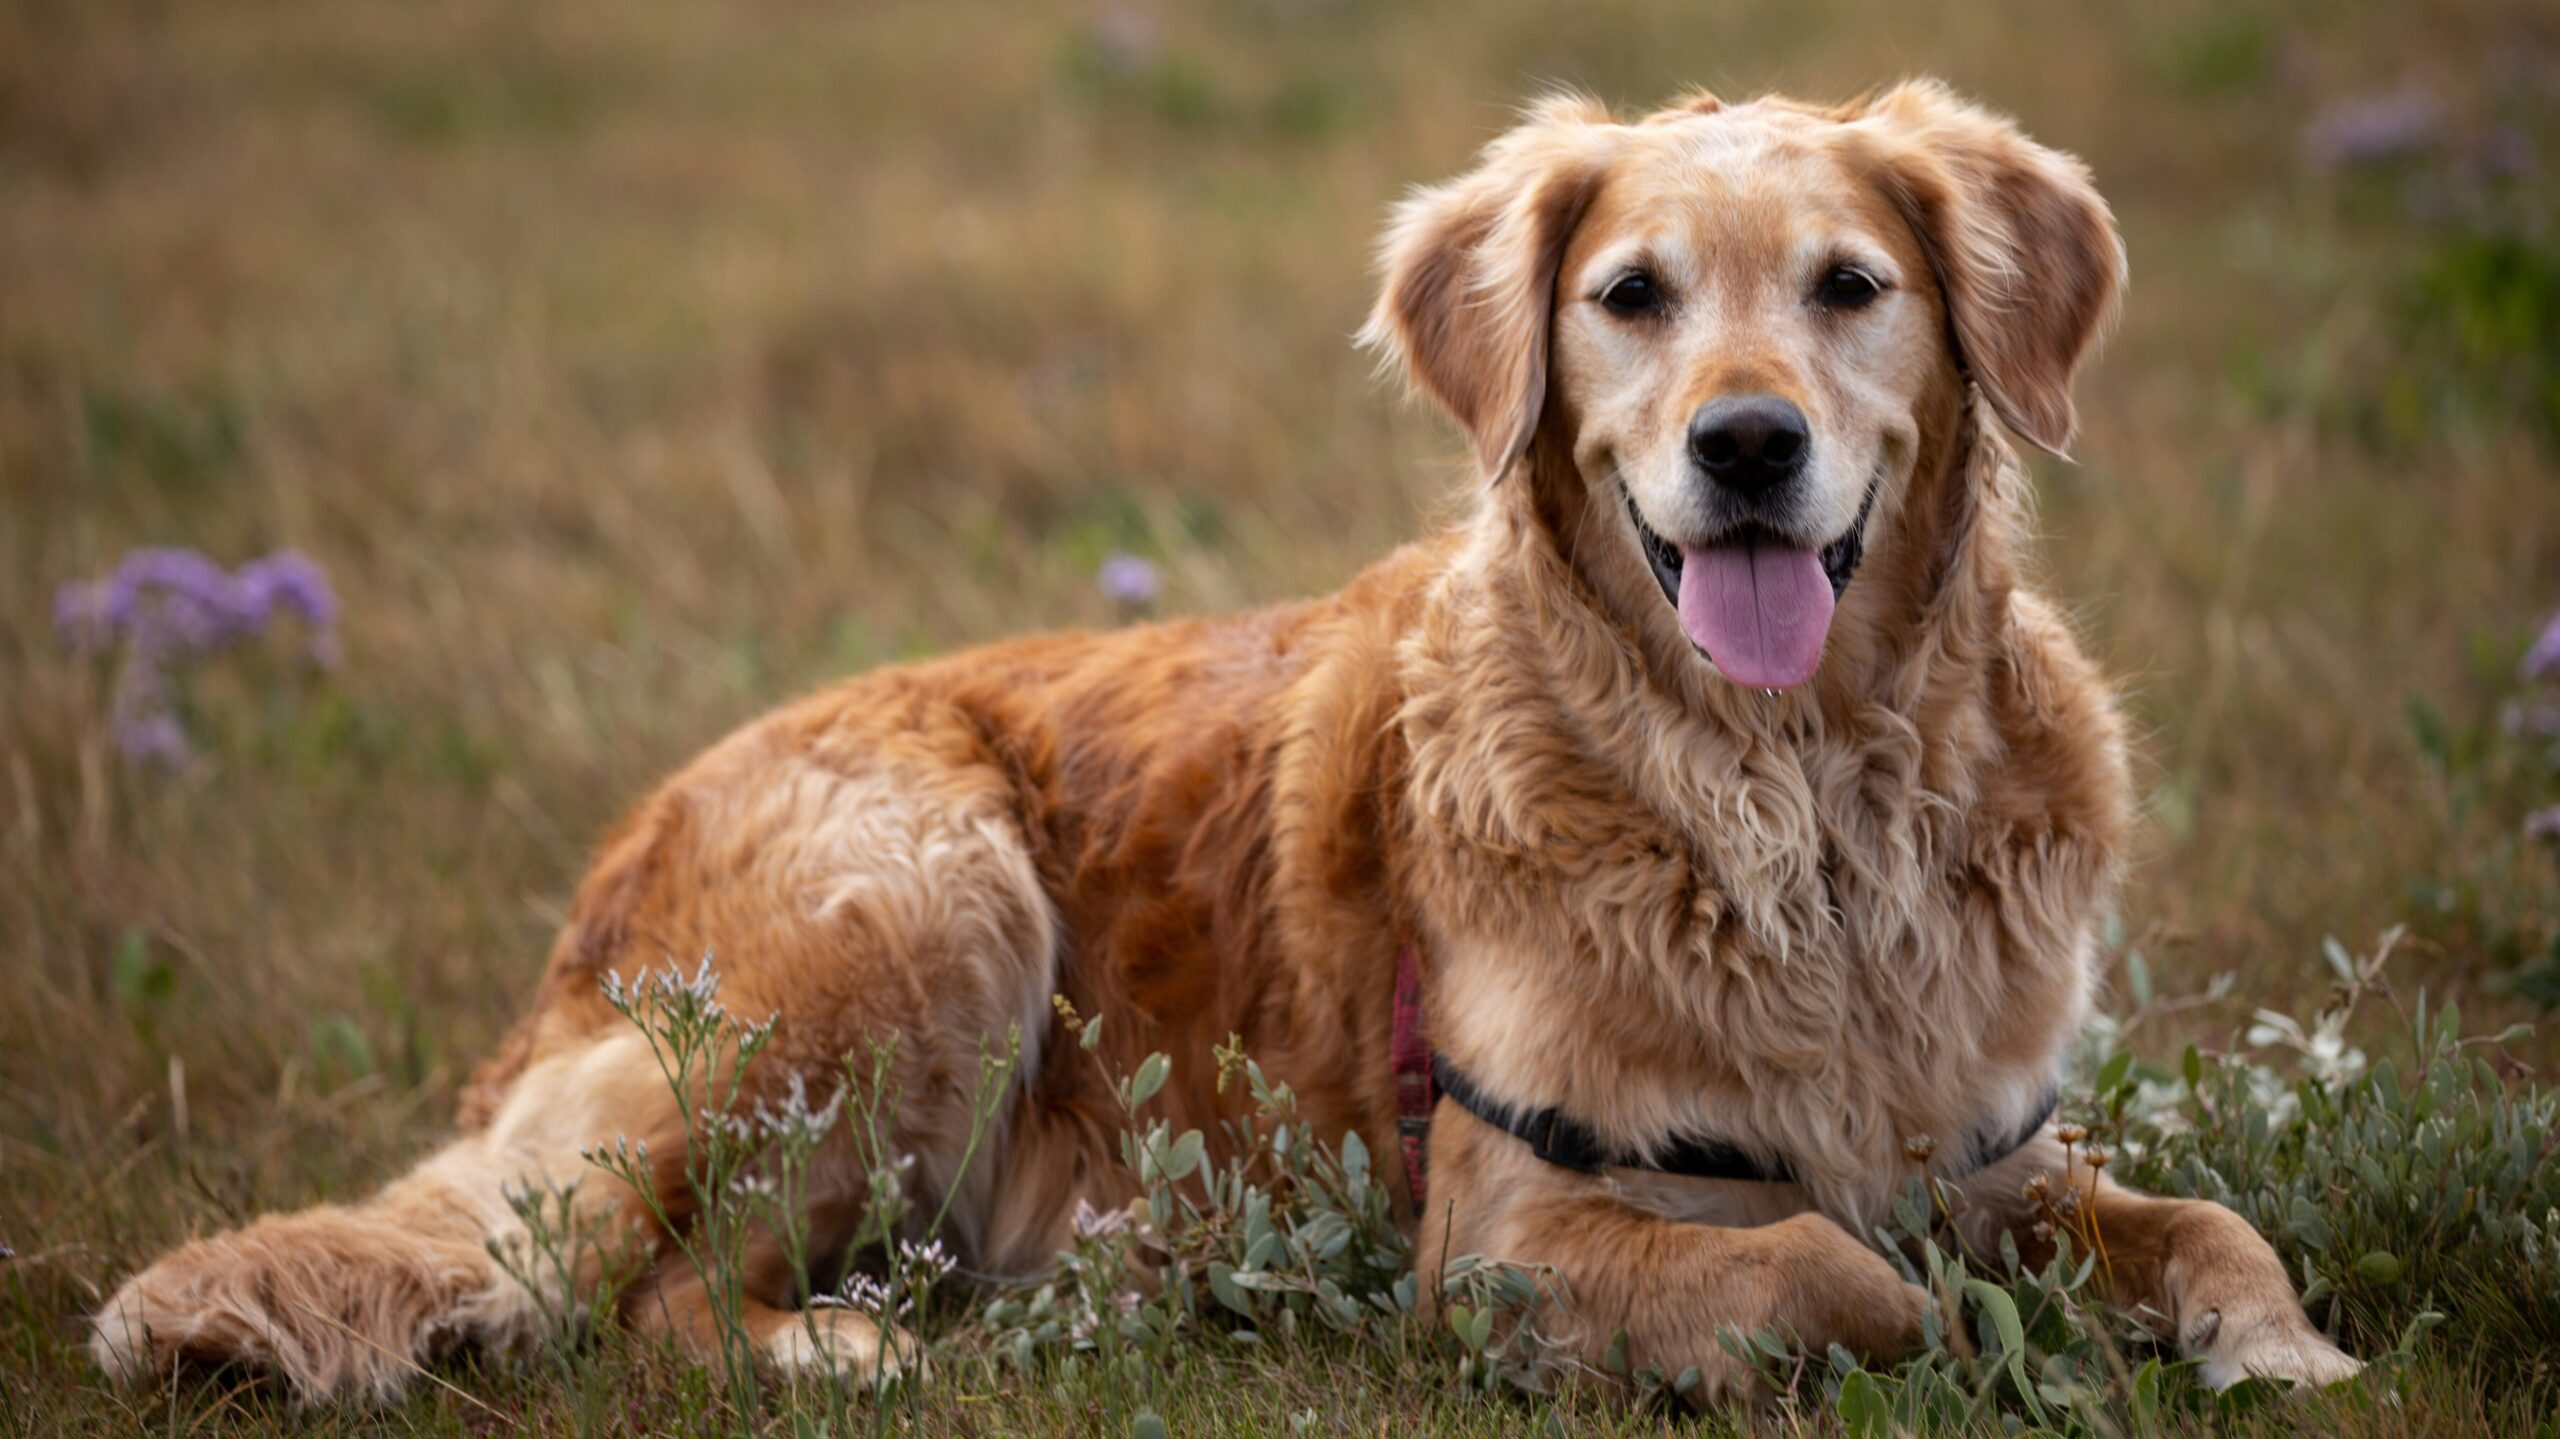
(350, 1299)
(834, 1341)
(870, 895)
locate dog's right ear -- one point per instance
(1468, 300)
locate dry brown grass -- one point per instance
(632, 365)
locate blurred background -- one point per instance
(506, 400)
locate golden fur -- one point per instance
(1815, 923)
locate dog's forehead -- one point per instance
(1740, 144)
(1744, 187)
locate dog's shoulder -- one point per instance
(2067, 762)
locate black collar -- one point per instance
(1570, 1144)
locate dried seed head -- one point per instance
(2071, 1133)
(2037, 1186)
(1918, 1148)
(2097, 1157)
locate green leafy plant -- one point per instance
(2402, 1204)
(2402, 1190)
(1288, 1238)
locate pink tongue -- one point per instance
(1758, 609)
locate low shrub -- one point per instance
(2412, 1194)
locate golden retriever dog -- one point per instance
(1738, 814)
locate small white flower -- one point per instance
(871, 1296)
(705, 984)
(1092, 1223)
(928, 1264)
(795, 1120)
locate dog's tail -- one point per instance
(349, 1300)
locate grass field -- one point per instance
(628, 367)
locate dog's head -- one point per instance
(1741, 337)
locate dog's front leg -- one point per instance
(1667, 1285)
(2192, 1267)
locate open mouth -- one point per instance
(1755, 603)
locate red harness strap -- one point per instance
(1416, 1092)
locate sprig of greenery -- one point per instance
(2402, 1205)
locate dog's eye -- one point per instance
(1846, 287)
(1633, 293)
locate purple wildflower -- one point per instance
(2503, 152)
(153, 737)
(288, 581)
(2542, 661)
(1126, 579)
(2535, 719)
(1124, 39)
(175, 604)
(165, 601)
(2374, 129)
(2543, 824)
(168, 606)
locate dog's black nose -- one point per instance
(1748, 443)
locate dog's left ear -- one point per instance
(2025, 250)
(1468, 299)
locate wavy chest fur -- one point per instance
(1816, 934)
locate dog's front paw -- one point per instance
(2280, 1346)
(1838, 1291)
